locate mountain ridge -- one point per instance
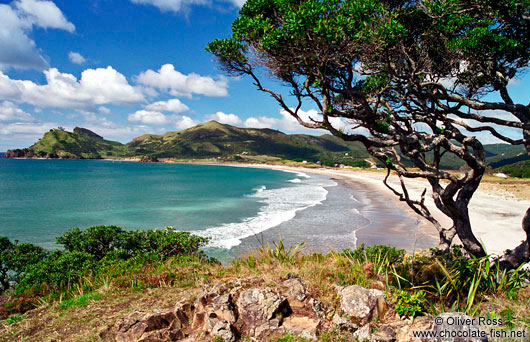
(222, 141)
(207, 140)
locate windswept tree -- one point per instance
(418, 77)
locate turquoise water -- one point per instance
(41, 199)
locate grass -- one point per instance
(99, 301)
(80, 301)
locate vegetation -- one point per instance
(519, 170)
(411, 73)
(96, 253)
(424, 283)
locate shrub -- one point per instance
(409, 305)
(15, 259)
(57, 271)
(96, 240)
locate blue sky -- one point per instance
(121, 68)
(124, 68)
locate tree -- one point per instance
(418, 76)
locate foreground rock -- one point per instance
(246, 310)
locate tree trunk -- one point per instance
(446, 238)
(521, 254)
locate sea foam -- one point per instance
(279, 205)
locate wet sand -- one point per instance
(352, 214)
(495, 218)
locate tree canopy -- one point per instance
(411, 80)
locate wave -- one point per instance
(260, 189)
(296, 180)
(280, 205)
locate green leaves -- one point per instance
(34, 269)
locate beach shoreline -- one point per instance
(495, 214)
(495, 217)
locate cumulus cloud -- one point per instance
(95, 87)
(177, 84)
(75, 57)
(148, 117)
(229, 119)
(173, 105)
(10, 112)
(287, 123)
(183, 122)
(44, 14)
(16, 23)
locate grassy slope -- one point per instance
(76, 145)
(160, 286)
(213, 139)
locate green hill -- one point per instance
(212, 139)
(215, 140)
(207, 140)
(79, 144)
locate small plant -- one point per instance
(13, 319)
(283, 255)
(80, 301)
(409, 305)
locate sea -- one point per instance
(237, 208)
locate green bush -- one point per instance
(409, 305)
(15, 259)
(96, 240)
(57, 271)
(114, 242)
(86, 252)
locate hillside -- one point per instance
(79, 144)
(215, 140)
(206, 140)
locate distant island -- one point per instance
(225, 142)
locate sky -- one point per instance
(123, 68)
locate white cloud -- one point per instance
(16, 23)
(182, 5)
(261, 122)
(173, 105)
(75, 57)
(229, 119)
(10, 112)
(148, 117)
(44, 14)
(20, 128)
(95, 87)
(104, 110)
(177, 84)
(288, 123)
(184, 122)
(171, 5)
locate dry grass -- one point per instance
(322, 274)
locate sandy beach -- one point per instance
(495, 216)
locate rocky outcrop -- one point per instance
(361, 304)
(19, 153)
(148, 159)
(247, 310)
